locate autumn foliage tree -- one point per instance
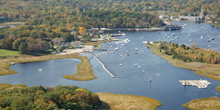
(82, 30)
(190, 54)
(40, 98)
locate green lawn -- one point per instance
(4, 52)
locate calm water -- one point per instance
(133, 80)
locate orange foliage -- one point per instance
(82, 30)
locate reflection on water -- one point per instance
(134, 71)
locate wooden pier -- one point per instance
(198, 83)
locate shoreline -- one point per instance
(212, 103)
(127, 101)
(154, 29)
(203, 69)
(206, 22)
(84, 70)
(83, 67)
(110, 101)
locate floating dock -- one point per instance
(198, 83)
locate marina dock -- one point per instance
(198, 83)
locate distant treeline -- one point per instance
(40, 98)
(23, 9)
(190, 54)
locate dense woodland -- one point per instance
(190, 54)
(46, 20)
(40, 98)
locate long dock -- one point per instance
(104, 67)
(198, 83)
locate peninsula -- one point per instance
(204, 62)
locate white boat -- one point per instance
(120, 64)
(188, 35)
(40, 69)
(116, 49)
(135, 64)
(139, 66)
(201, 37)
(142, 71)
(136, 49)
(150, 79)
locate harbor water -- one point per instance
(134, 64)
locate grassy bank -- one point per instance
(4, 52)
(211, 103)
(127, 102)
(209, 70)
(218, 89)
(9, 86)
(94, 43)
(84, 71)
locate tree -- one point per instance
(67, 37)
(58, 41)
(82, 30)
(16, 44)
(22, 47)
(6, 43)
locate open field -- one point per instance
(127, 102)
(211, 103)
(84, 71)
(210, 70)
(4, 52)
